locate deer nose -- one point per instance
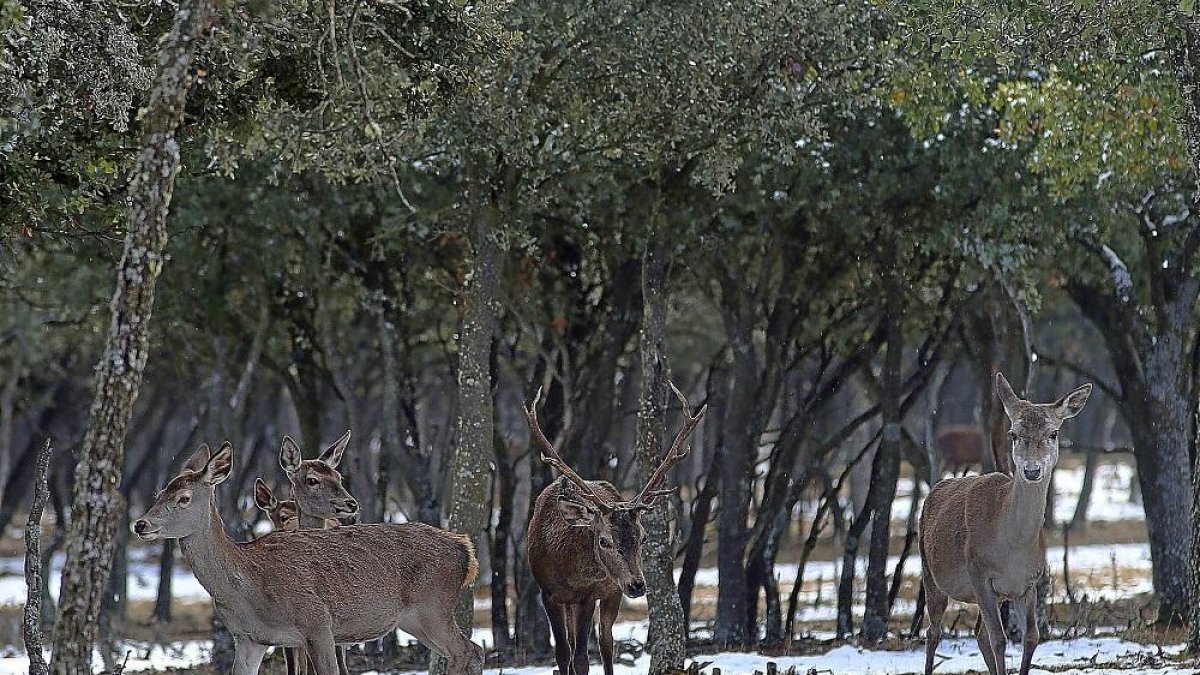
(1033, 472)
(352, 504)
(141, 526)
(636, 589)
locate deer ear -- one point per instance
(577, 514)
(263, 497)
(219, 466)
(196, 462)
(289, 455)
(1072, 403)
(1008, 398)
(333, 454)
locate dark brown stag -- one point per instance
(585, 545)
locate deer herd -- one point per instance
(321, 580)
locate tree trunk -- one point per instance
(504, 492)
(34, 568)
(736, 465)
(667, 639)
(471, 473)
(887, 461)
(96, 498)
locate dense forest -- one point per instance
(830, 223)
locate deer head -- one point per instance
(1034, 431)
(184, 506)
(316, 483)
(616, 525)
(284, 515)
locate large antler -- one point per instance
(550, 456)
(679, 450)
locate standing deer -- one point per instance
(316, 588)
(321, 502)
(981, 536)
(584, 546)
(960, 446)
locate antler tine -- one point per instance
(679, 450)
(551, 456)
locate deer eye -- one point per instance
(313, 481)
(605, 543)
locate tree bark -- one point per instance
(96, 498)
(471, 474)
(34, 569)
(886, 468)
(667, 639)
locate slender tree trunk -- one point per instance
(34, 568)
(667, 639)
(886, 468)
(97, 499)
(504, 492)
(471, 473)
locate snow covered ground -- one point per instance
(1100, 656)
(1096, 656)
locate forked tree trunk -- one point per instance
(667, 639)
(96, 498)
(470, 507)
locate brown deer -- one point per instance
(981, 536)
(960, 446)
(316, 588)
(284, 515)
(584, 546)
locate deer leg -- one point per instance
(289, 658)
(1032, 635)
(341, 660)
(558, 628)
(935, 610)
(584, 612)
(992, 636)
(608, 616)
(248, 657)
(323, 653)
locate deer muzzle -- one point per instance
(1032, 472)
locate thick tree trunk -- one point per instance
(96, 499)
(471, 473)
(667, 639)
(886, 468)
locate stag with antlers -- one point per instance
(585, 544)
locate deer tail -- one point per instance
(472, 561)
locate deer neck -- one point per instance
(211, 554)
(1024, 511)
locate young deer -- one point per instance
(981, 536)
(584, 546)
(316, 588)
